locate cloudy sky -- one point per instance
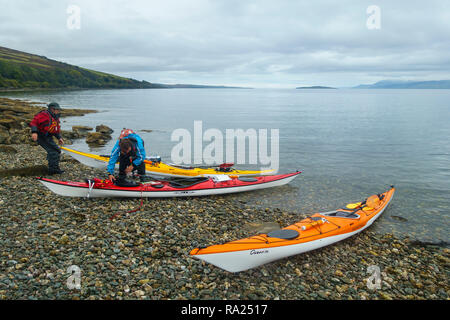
(254, 43)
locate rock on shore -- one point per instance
(101, 135)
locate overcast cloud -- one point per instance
(250, 43)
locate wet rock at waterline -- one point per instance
(103, 129)
(82, 131)
(100, 137)
(97, 138)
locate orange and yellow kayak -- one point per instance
(316, 231)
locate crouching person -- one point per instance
(130, 152)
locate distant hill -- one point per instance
(315, 87)
(392, 84)
(198, 86)
(23, 70)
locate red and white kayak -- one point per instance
(193, 187)
(319, 230)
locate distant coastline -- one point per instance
(196, 86)
(161, 86)
(315, 87)
(393, 84)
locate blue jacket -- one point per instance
(115, 153)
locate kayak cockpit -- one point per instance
(341, 214)
(286, 234)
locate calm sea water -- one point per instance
(349, 143)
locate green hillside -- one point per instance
(23, 70)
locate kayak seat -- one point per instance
(345, 214)
(186, 183)
(126, 183)
(145, 178)
(247, 179)
(286, 234)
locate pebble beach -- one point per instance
(145, 254)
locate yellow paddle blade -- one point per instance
(353, 205)
(367, 209)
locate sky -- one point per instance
(254, 43)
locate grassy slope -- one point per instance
(23, 70)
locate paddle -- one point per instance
(222, 166)
(367, 204)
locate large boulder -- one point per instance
(97, 138)
(104, 129)
(82, 131)
(101, 135)
(65, 134)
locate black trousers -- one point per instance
(125, 161)
(53, 151)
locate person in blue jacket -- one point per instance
(129, 151)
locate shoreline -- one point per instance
(66, 89)
(145, 255)
(163, 86)
(16, 114)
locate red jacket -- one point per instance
(44, 122)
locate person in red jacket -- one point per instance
(44, 126)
